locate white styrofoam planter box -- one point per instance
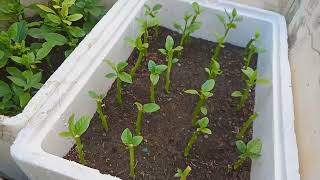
(38, 149)
(10, 126)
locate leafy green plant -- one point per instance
(142, 48)
(145, 25)
(98, 99)
(9, 104)
(250, 80)
(131, 142)
(155, 71)
(145, 108)
(246, 125)
(202, 129)
(169, 53)
(120, 76)
(75, 130)
(11, 11)
(190, 24)
(204, 93)
(252, 151)
(183, 174)
(250, 50)
(152, 13)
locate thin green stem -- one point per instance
(103, 117)
(197, 110)
(245, 127)
(138, 123)
(137, 64)
(132, 159)
(152, 93)
(79, 148)
(243, 98)
(193, 139)
(167, 85)
(119, 94)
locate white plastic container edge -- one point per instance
(38, 149)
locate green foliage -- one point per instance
(145, 108)
(98, 99)
(252, 151)
(190, 24)
(11, 11)
(251, 49)
(245, 126)
(145, 25)
(155, 72)
(152, 13)
(75, 130)
(183, 174)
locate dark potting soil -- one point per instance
(167, 131)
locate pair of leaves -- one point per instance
(28, 60)
(152, 11)
(119, 73)
(76, 128)
(128, 139)
(137, 43)
(203, 124)
(18, 31)
(252, 77)
(155, 71)
(252, 150)
(147, 108)
(26, 79)
(169, 46)
(95, 96)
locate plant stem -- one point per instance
(245, 127)
(167, 85)
(186, 172)
(79, 148)
(193, 139)
(138, 123)
(243, 98)
(103, 117)
(197, 110)
(119, 95)
(239, 163)
(152, 93)
(137, 64)
(131, 151)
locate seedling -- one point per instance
(146, 108)
(169, 53)
(250, 151)
(250, 50)
(145, 25)
(152, 13)
(250, 80)
(183, 174)
(202, 129)
(98, 99)
(131, 142)
(245, 126)
(190, 24)
(155, 71)
(75, 130)
(120, 76)
(204, 93)
(142, 48)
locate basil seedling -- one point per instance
(169, 53)
(75, 130)
(204, 94)
(142, 48)
(190, 24)
(183, 174)
(131, 142)
(155, 71)
(146, 108)
(145, 25)
(202, 129)
(245, 126)
(120, 76)
(250, 151)
(152, 13)
(98, 99)
(250, 50)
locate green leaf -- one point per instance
(93, 94)
(206, 130)
(24, 98)
(111, 64)
(44, 50)
(18, 31)
(208, 85)
(236, 94)
(254, 146)
(3, 59)
(111, 75)
(67, 22)
(64, 10)
(150, 107)
(204, 110)
(241, 146)
(192, 91)
(221, 19)
(139, 106)
(34, 24)
(74, 17)
(121, 66)
(154, 78)
(76, 31)
(71, 125)
(54, 18)
(65, 134)
(263, 81)
(194, 27)
(178, 48)
(160, 69)
(82, 125)
(234, 12)
(126, 137)
(17, 81)
(232, 26)
(136, 140)
(152, 66)
(45, 8)
(203, 123)
(157, 7)
(36, 79)
(13, 71)
(196, 7)
(4, 89)
(169, 43)
(177, 26)
(130, 42)
(163, 51)
(125, 77)
(249, 72)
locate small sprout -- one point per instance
(75, 130)
(120, 75)
(250, 151)
(145, 25)
(250, 50)
(203, 94)
(131, 142)
(245, 126)
(183, 174)
(202, 129)
(155, 71)
(152, 12)
(146, 108)
(250, 80)
(142, 48)
(190, 24)
(169, 53)
(98, 99)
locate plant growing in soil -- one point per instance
(250, 50)
(98, 99)
(145, 25)
(183, 174)
(11, 11)
(202, 129)
(75, 130)
(250, 80)
(145, 108)
(245, 126)
(152, 13)
(120, 76)
(155, 71)
(190, 24)
(169, 53)
(142, 48)
(204, 93)
(131, 142)
(252, 151)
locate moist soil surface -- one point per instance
(167, 131)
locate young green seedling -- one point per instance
(131, 142)
(155, 71)
(250, 50)
(142, 48)
(98, 99)
(75, 130)
(120, 76)
(146, 108)
(169, 53)
(145, 25)
(250, 151)
(190, 24)
(183, 174)
(204, 93)
(245, 126)
(152, 13)
(251, 80)
(202, 129)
